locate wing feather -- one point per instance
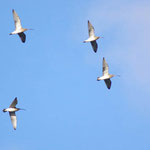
(108, 83)
(94, 46)
(22, 37)
(105, 67)
(16, 20)
(13, 119)
(91, 29)
(14, 103)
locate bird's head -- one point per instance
(26, 29)
(112, 75)
(98, 37)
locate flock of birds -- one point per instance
(92, 39)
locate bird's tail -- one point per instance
(4, 110)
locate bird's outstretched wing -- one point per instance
(16, 20)
(22, 37)
(105, 67)
(14, 103)
(91, 29)
(108, 83)
(94, 46)
(13, 119)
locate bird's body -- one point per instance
(12, 109)
(106, 76)
(92, 38)
(18, 31)
(18, 28)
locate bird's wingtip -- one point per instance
(95, 50)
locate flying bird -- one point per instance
(18, 28)
(92, 38)
(106, 76)
(12, 109)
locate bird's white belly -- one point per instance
(16, 31)
(90, 39)
(11, 109)
(104, 77)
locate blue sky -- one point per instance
(54, 75)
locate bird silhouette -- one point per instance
(18, 28)
(12, 109)
(92, 38)
(106, 76)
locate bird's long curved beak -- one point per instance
(21, 109)
(30, 29)
(118, 75)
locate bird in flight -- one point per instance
(18, 28)
(12, 109)
(92, 38)
(106, 76)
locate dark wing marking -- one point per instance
(108, 83)
(94, 46)
(105, 67)
(91, 29)
(14, 103)
(22, 37)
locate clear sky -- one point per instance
(54, 75)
